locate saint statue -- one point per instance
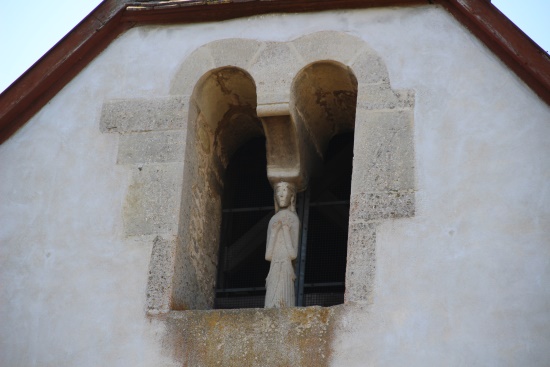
(282, 248)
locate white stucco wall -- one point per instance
(464, 282)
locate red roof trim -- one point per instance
(28, 94)
(519, 52)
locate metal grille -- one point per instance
(247, 208)
(327, 230)
(239, 299)
(326, 248)
(324, 299)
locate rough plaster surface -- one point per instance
(463, 282)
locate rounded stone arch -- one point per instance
(343, 48)
(222, 117)
(227, 83)
(323, 102)
(273, 65)
(231, 52)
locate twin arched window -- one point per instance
(323, 210)
(230, 147)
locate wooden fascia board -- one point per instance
(200, 11)
(55, 69)
(32, 90)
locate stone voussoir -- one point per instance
(194, 67)
(234, 52)
(328, 45)
(369, 68)
(273, 71)
(380, 96)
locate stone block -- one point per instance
(382, 97)
(151, 147)
(361, 262)
(187, 294)
(290, 336)
(234, 52)
(328, 45)
(153, 199)
(369, 68)
(192, 69)
(161, 269)
(137, 115)
(274, 71)
(383, 151)
(382, 205)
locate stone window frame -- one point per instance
(155, 137)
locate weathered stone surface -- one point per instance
(384, 152)
(368, 67)
(273, 71)
(328, 45)
(161, 269)
(382, 97)
(151, 147)
(152, 202)
(135, 115)
(361, 262)
(283, 151)
(234, 52)
(199, 222)
(187, 291)
(192, 69)
(252, 337)
(382, 205)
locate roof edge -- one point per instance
(46, 77)
(516, 49)
(30, 92)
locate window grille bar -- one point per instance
(328, 284)
(250, 209)
(234, 290)
(325, 203)
(253, 289)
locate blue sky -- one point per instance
(29, 28)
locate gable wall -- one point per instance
(463, 281)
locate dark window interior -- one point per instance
(247, 209)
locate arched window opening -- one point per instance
(222, 117)
(325, 206)
(247, 206)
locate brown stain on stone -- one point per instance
(252, 337)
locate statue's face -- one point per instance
(283, 194)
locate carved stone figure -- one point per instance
(282, 248)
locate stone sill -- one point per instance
(299, 336)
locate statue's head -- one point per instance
(285, 196)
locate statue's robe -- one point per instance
(281, 249)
